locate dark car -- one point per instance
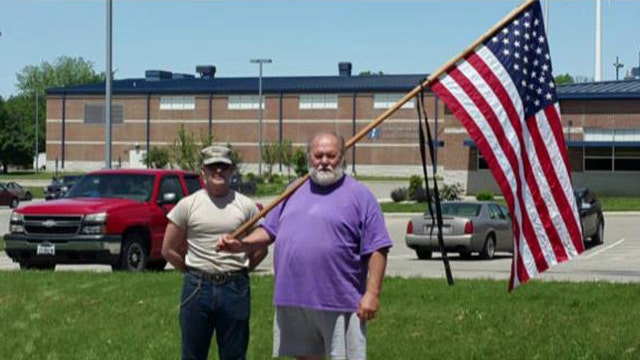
(8, 198)
(591, 216)
(21, 192)
(59, 187)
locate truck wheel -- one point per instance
(424, 254)
(134, 255)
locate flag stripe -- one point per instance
(502, 151)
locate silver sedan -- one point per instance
(468, 227)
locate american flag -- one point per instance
(504, 94)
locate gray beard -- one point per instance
(326, 177)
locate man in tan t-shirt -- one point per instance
(215, 294)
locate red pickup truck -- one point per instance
(114, 217)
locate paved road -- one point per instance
(616, 260)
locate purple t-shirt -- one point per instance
(323, 239)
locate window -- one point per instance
(626, 159)
(385, 101)
(598, 158)
(177, 103)
(245, 102)
(94, 114)
(170, 184)
(193, 183)
(482, 162)
(319, 101)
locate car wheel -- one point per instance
(28, 196)
(489, 249)
(14, 203)
(424, 254)
(598, 237)
(134, 255)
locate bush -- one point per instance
(399, 194)
(415, 183)
(420, 195)
(484, 195)
(451, 191)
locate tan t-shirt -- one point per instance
(205, 219)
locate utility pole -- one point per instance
(107, 92)
(260, 62)
(617, 65)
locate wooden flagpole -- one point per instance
(385, 115)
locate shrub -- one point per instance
(399, 194)
(415, 183)
(451, 191)
(300, 162)
(484, 195)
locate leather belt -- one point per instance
(218, 278)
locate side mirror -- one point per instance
(168, 198)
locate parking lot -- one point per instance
(616, 260)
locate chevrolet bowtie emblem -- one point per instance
(49, 223)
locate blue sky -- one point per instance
(302, 37)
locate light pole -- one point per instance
(37, 124)
(260, 62)
(617, 65)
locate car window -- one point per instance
(495, 213)
(171, 184)
(127, 186)
(460, 209)
(193, 183)
(505, 211)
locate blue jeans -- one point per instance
(207, 308)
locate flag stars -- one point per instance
(506, 52)
(541, 39)
(549, 96)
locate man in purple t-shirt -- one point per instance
(331, 247)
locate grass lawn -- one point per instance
(84, 315)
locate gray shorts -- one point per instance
(307, 332)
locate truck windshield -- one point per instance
(127, 186)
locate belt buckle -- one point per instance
(219, 278)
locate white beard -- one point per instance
(326, 176)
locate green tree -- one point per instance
(185, 151)
(286, 156)
(300, 162)
(157, 158)
(16, 133)
(563, 79)
(371, 73)
(32, 81)
(270, 153)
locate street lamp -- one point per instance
(260, 62)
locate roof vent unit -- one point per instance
(206, 71)
(178, 76)
(156, 75)
(344, 69)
